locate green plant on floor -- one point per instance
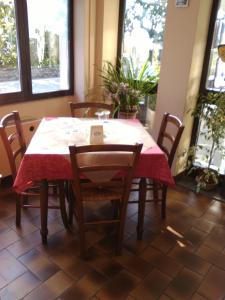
(210, 110)
(125, 86)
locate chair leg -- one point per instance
(155, 191)
(163, 208)
(71, 199)
(141, 207)
(81, 229)
(44, 210)
(121, 225)
(63, 204)
(18, 210)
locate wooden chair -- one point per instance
(169, 137)
(115, 190)
(15, 147)
(89, 108)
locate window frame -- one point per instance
(25, 95)
(202, 88)
(212, 22)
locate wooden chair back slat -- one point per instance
(172, 138)
(12, 119)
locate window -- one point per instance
(144, 22)
(214, 79)
(35, 49)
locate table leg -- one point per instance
(44, 210)
(141, 207)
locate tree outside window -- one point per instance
(144, 23)
(35, 49)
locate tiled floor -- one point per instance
(180, 258)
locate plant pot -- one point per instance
(127, 115)
(205, 181)
(206, 186)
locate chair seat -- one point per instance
(101, 194)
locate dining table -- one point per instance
(47, 156)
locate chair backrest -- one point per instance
(124, 167)
(169, 135)
(12, 138)
(89, 108)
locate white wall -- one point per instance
(183, 51)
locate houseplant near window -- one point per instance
(125, 86)
(211, 111)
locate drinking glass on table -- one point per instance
(106, 114)
(99, 114)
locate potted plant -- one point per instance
(210, 110)
(125, 86)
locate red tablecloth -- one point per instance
(47, 154)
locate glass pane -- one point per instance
(144, 25)
(9, 67)
(216, 72)
(49, 53)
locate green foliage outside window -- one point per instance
(8, 48)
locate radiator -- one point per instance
(29, 128)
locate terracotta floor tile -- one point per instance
(136, 246)
(215, 239)
(7, 238)
(180, 222)
(72, 265)
(190, 260)
(39, 265)
(51, 288)
(3, 282)
(152, 286)
(183, 285)
(204, 225)
(194, 237)
(213, 286)
(196, 296)
(164, 297)
(118, 287)
(134, 264)
(20, 287)
(130, 226)
(104, 264)
(162, 262)
(164, 242)
(176, 207)
(85, 288)
(179, 257)
(10, 268)
(25, 228)
(25, 244)
(132, 208)
(212, 256)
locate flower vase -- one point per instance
(127, 115)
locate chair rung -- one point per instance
(102, 222)
(153, 200)
(38, 206)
